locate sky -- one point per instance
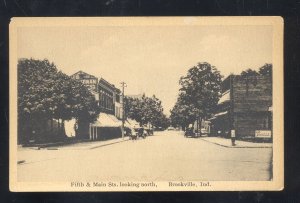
(150, 60)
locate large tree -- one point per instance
(35, 79)
(201, 89)
(133, 108)
(183, 113)
(44, 94)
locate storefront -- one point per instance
(220, 124)
(244, 107)
(106, 127)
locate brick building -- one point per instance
(108, 124)
(245, 108)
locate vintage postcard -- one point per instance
(146, 104)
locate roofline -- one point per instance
(110, 84)
(75, 73)
(85, 73)
(231, 75)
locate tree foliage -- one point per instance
(146, 110)
(249, 72)
(183, 112)
(44, 93)
(199, 94)
(266, 70)
(201, 88)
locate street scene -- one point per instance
(144, 103)
(166, 156)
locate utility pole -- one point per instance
(123, 84)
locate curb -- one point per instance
(108, 144)
(235, 146)
(54, 144)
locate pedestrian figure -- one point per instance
(133, 134)
(232, 135)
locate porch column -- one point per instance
(96, 134)
(93, 132)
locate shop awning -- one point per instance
(115, 119)
(225, 97)
(127, 124)
(107, 120)
(131, 123)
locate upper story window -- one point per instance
(81, 76)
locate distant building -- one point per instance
(245, 108)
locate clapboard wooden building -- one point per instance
(245, 108)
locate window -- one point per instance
(118, 98)
(266, 123)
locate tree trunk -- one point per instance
(58, 128)
(200, 126)
(58, 125)
(63, 132)
(51, 126)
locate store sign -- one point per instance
(263, 133)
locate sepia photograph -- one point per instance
(146, 104)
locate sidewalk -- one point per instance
(224, 142)
(93, 144)
(79, 145)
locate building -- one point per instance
(245, 108)
(106, 96)
(90, 81)
(110, 100)
(108, 124)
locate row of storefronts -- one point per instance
(243, 111)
